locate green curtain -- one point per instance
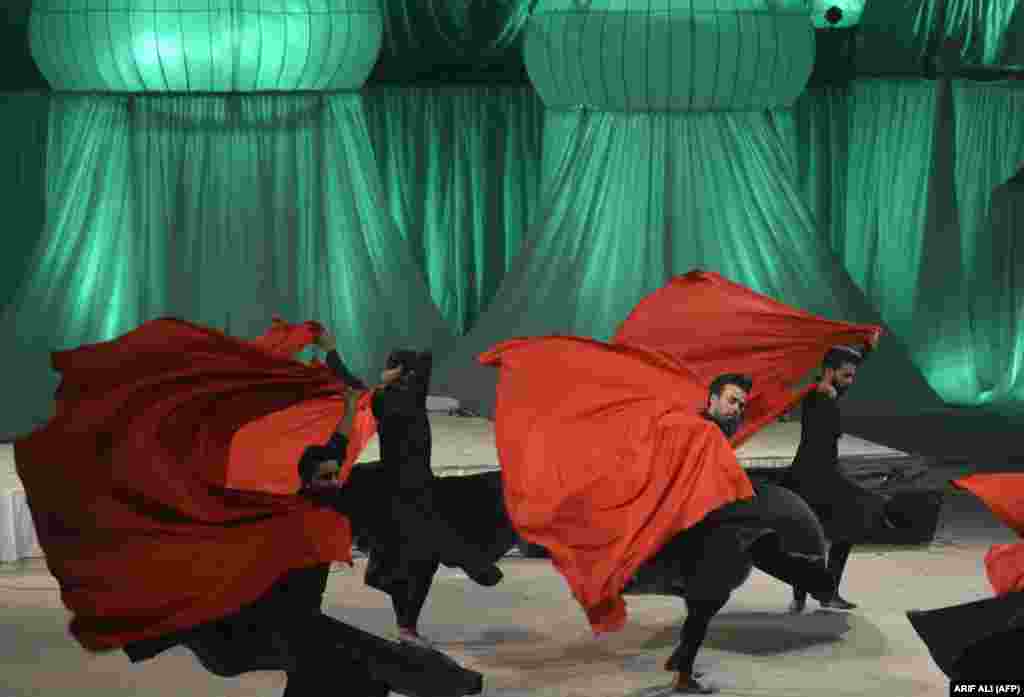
(22, 182)
(632, 199)
(460, 170)
(222, 210)
(454, 41)
(818, 135)
(888, 166)
(914, 173)
(896, 36)
(989, 151)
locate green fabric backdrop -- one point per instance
(432, 179)
(460, 171)
(902, 191)
(23, 133)
(630, 200)
(221, 210)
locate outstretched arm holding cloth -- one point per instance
(210, 534)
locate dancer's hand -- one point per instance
(326, 341)
(390, 375)
(827, 389)
(326, 476)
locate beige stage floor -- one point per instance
(462, 445)
(529, 637)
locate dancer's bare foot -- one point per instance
(686, 684)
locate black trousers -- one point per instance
(294, 606)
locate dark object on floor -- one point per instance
(975, 641)
(532, 551)
(285, 630)
(915, 497)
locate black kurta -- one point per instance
(420, 531)
(848, 511)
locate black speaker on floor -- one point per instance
(914, 502)
(921, 509)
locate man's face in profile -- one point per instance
(843, 378)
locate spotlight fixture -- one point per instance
(836, 14)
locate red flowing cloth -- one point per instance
(262, 452)
(604, 457)
(603, 452)
(129, 483)
(713, 326)
(1004, 496)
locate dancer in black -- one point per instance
(421, 535)
(849, 512)
(774, 531)
(411, 521)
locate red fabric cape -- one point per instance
(713, 326)
(1004, 496)
(603, 453)
(604, 458)
(127, 488)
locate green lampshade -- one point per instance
(670, 55)
(205, 45)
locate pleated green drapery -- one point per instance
(898, 36)
(454, 41)
(911, 191)
(638, 188)
(988, 157)
(221, 210)
(460, 171)
(22, 183)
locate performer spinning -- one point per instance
(774, 531)
(848, 511)
(155, 556)
(408, 517)
(420, 535)
(606, 460)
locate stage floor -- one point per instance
(529, 638)
(464, 444)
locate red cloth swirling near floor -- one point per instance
(604, 455)
(1004, 496)
(135, 484)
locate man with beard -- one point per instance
(848, 511)
(774, 531)
(727, 398)
(208, 545)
